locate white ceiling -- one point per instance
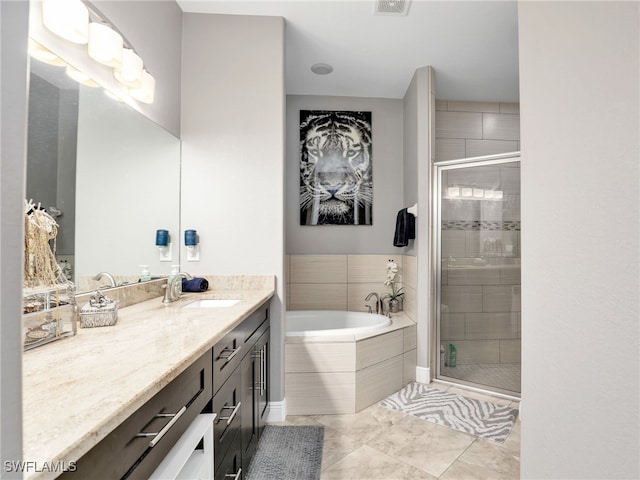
(472, 45)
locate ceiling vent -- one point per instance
(391, 7)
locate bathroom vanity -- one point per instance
(112, 402)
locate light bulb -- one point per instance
(105, 45)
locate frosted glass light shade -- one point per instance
(497, 194)
(488, 194)
(478, 193)
(68, 19)
(466, 191)
(146, 91)
(453, 191)
(42, 54)
(80, 77)
(105, 45)
(130, 72)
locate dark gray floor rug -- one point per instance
(477, 417)
(288, 453)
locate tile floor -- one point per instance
(382, 444)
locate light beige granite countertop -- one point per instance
(77, 390)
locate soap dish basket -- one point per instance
(101, 311)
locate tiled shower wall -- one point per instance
(474, 129)
(341, 282)
(482, 313)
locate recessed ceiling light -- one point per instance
(321, 68)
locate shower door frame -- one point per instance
(436, 251)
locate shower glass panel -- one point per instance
(478, 308)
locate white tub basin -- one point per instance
(211, 303)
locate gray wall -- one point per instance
(418, 140)
(13, 138)
(386, 119)
(233, 153)
(579, 65)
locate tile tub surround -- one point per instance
(341, 282)
(346, 373)
(78, 390)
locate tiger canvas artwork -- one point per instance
(336, 186)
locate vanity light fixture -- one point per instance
(497, 194)
(145, 92)
(488, 194)
(68, 19)
(80, 23)
(105, 44)
(129, 73)
(80, 77)
(453, 191)
(478, 193)
(42, 54)
(466, 192)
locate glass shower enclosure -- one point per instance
(478, 272)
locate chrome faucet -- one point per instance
(172, 292)
(112, 281)
(373, 294)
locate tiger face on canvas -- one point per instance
(335, 168)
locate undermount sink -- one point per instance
(212, 303)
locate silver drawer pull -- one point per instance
(230, 418)
(235, 476)
(228, 353)
(157, 436)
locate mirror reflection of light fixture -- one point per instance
(478, 193)
(42, 54)
(105, 45)
(497, 194)
(80, 77)
(488, 194)
(145, 93)
(68, 19)
(466, 191)
(130, 72)
(453, 191)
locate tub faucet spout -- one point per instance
(373, 294)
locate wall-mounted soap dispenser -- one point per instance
(191, 242)
(164, 245)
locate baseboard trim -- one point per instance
(277, 411)
(423, 375)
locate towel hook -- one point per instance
(413, 210)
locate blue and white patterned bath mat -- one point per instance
(477, 417)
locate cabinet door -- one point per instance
(262, 380)
(249, 371)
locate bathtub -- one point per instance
(342, 362)
(305, 323)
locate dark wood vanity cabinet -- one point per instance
(230, 380)
(242, 394)
(135, 448)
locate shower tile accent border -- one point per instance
(477, 225)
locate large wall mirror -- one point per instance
(108, 174)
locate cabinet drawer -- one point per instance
(227, 405)
(252, 324)
(227, 354)
(230, 466)
(126, 453)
